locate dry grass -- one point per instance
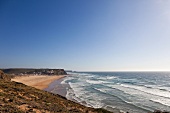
(18, 98)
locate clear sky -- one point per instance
(85, 35)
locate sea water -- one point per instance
(135, 92)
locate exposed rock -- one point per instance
(4, 76)
(22, 71)
(60, 72)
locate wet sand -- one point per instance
(37, 81)
(57, 88)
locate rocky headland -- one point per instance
(26, 71)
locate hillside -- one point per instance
(4, 77)
(17, 97)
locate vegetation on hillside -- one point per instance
(18, 98)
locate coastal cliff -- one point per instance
(19, 98)
(23, 71)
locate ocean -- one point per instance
(135, 92)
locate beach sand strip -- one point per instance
(37, 81)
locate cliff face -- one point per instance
(60, 72)
(22, 71)
(4, 77)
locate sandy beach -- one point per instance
(39, 82)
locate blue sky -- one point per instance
(89, 35)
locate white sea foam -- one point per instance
(96, 104)
(143, 95)
(152, 91)
(85, 74)
(70, 95)
(95, 82)
(162, 101)
(107, 77)
(164, 88)
(101, 90)
(81, 95)
(111, 77)
(66, 79)
(105, 90)
(75, 92)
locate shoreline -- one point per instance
(57, 88)
(17, 97)
(53, 85)
(38, 81)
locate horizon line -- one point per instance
(92, 70)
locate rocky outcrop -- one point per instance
(4, 77)
(60, 72)
(23, 71)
